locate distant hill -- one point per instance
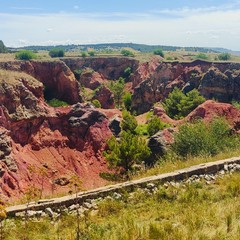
(118, 46)
(224, 50)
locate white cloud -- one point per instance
(220, 28)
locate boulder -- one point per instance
(160, 142)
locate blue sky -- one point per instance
(174, 22)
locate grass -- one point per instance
(173, 164)
(190, 211)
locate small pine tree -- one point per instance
(129, 123)
(154, 125)
(130, 149)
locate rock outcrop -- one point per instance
(220, 81)
(40, 144)
(105, 96)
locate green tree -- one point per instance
(178, 105)
(127, 53)
(83, 54)
(159, 52)
(129, 123)
(224, 56)
(127, 100)
(56, 52)
(129, 150)
(154, 125)
(172, 101)
(3, 48)
(117, 88)
(190, 101)
(202, 56)
(91, 53)
(25, 55)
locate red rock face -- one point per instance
(42, 148)
(213, 80)
(105, 96)
(57, 78)
(210, 109)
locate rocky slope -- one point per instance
(43, 148)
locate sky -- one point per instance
(211, 23)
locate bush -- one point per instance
(91, 53)
(83, 54)
(203, 139)
(224, 56)
(159, 52)
(154, 125)
(56, 103)
(56, 52)
(25, 55)
(127, 100)
(96, 103)
(127, 53)
(129, 123)
(179, 105)
(201, 56)
(130, 149)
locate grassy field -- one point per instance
(181, 56)
(189, 211)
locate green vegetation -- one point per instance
(224, 56)
(84, 54)
(179, 105)
(56, 52)
(127, 53)
(154, 125)
(3, 48)
(204, 139)
(127, 100)
(130, 149)
(190, 211)
(159, 52)
(25, 55)
(117, 87)
(56, 103)
(236, 104)
(91, 53)
(96, 103)
(202, 56)
(129, 123)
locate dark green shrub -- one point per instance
(91, 53)
(130, 149)
(83, 54)
(96, 103)
(127, 53)
(56, 103)
(154, 125)
(203, 139)
(224, 56)
(178, 105)
(202, 56)
(129, 123)
(159, 52)
(56, 52)
(25, 55)
(127, 100)
(142, 130)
